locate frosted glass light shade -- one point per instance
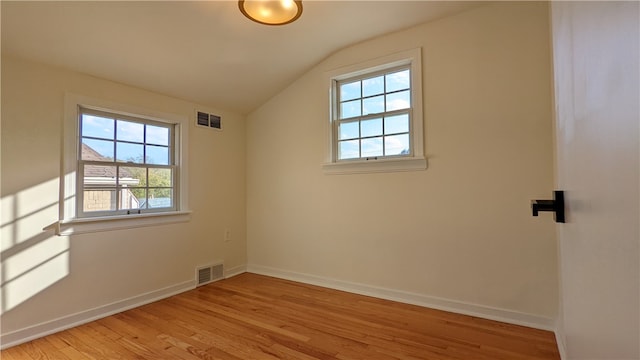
(271, 12)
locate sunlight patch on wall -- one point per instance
(32, 260)
(25, 213)
(30, 272)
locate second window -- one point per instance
(374, 115)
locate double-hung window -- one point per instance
(123, 167)
(126, 165)
(376, 116)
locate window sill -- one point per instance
(97, 224)
(372, 166)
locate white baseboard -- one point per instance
(66, 322)
(561, 346)
(485, 312)
(237, 270)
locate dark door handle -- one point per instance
(556, 205)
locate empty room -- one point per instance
(312, 179)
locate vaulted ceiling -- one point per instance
(203, 51)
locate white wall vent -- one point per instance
(207, 120)
(208, 274)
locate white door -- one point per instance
(596, 69)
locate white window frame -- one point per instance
(415, 160)
(70, 221)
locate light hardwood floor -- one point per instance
(257, 317)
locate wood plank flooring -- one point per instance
(257, 317)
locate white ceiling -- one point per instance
(203, 51)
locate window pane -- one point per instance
(158, 155)
(396, 124)
(103, 199)
(373, 86)
(373, 105)
(99, 183)
(157, 135)
(398, 81)
(160, 178)
(349, 109)
(132, 198)
(348, 149)
(130, 131)
(97, 150)
(98, 175)
(350, 91)
(399, 100)
(129, 152)
(372, 147)
(348, 130)
(371, 127)
(397, 144)
(95, 126)
(159, 198)
(132, 176)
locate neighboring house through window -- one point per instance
(99, 182)
(126, 165)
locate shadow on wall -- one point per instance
(32, 260)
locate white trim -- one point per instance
(460, 307)
(562, 349)
(234, 271)
(416, 161)
(382, 165)
(108, 223)
(66, 322)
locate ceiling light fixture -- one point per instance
(271, 12)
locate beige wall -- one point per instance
(461, 230)
(46, 277)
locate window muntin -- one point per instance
(126, 165)
(374, 115)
